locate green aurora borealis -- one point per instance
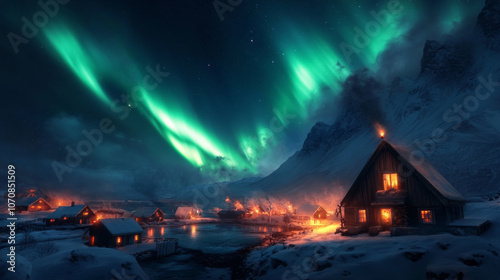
(265, 76)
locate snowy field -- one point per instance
(324, 255)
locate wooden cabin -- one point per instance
(71, 215)
(393, 192)
(307, 214)
(115, 232)
(31, 204)
(186, 213)
(148, 214)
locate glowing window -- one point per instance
(92, 240)
(85, 213)
(39, 207)
(52, 220)
(362, 216)
(426, 216)
(64, 218)
(136, 238)
(118, 240)
(386, 215)
(390, 181)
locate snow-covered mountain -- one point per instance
(450, 114)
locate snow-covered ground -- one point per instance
(69, 259)
(325, 255)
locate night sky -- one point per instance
(184, 94)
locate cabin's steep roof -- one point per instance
(66, 211)
(121, 226)
(307, 210)
(435, 178)
(423, 169)
(145, 212)
(27, 201)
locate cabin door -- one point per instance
(386, 217)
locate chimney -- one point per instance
(72, 203)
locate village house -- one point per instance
(71, 215)
(148, 214)
(115, 232)
(31, 204)
(310, 214)
(391, 192)
(184, 212)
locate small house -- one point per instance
(32, 204)
(183, 212)
(71, 215)
(115, 232)
(148, 214)
(396, 191)
(308, 213)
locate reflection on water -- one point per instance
(213, 238)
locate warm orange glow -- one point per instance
(386, 215)
(162, 230)
(193, 231)
(238, 205)
(65, 218)
(118, 240)
(59, 204)
(390, 181)
(227, 199)
(40, 201)
(382, 133)
(136, 238)
(92, 240)
(85, 213)
(39, 207)
(150, 232)
(362, 216)
(99, 217)
(290, 207)
(426, 216)
(52, 220)
(32, 206)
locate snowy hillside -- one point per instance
(449, 114)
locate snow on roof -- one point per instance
(183, 210)
(468, 222)
(27, 201)
(121, 226)
(307, 210)
(66, 211)
(145, 212)
(431, 174)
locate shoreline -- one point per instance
(234, 261)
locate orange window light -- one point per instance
(362, 216)
(426, 216)
(390, 181)
(136, 237)
(118, 240)
(386, 215)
